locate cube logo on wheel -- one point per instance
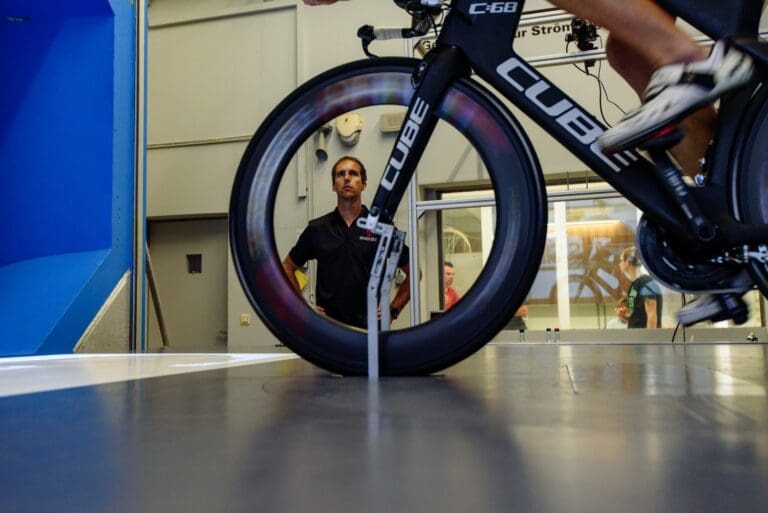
(493, 8)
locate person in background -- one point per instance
(644, 299)
(451, 297)
(344, 251)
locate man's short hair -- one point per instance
(449, 264)
(629, 255)
(363, 172)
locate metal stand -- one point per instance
(383, 271)
(156, 301)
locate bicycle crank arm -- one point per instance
(669, 174)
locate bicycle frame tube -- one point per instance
(436, 73)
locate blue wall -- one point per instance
(67, 77)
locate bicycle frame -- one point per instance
(476, 38)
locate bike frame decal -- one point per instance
(582, 127)
(408, 135)
(494, 8)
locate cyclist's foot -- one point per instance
(714, 307)
(723, 305)
(675, 91)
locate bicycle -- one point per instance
(691, 238)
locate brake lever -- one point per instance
(369, 33)
(367, 36)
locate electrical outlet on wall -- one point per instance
(391, 122)
(245, 319)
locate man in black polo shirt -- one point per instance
(344, 252)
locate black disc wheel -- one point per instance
(510, 266)
(751, 176)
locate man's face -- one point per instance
(448, 273)
(348, 180)
(624, 265)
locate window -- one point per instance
(580, 282)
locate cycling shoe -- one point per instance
(675, 91)
(714, 307)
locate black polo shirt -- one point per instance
(344, 257)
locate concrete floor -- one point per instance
(515, 428)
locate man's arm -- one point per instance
(650, 312)
(290, 268)
(403, 294)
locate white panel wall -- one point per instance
(216, 69)
(211, 79)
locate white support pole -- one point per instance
(561, 267)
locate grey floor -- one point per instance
(516, 428)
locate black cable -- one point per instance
(602, 84)
(435, 25)
(602, 90)
(674, 333)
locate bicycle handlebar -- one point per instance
(422, 13)
(386, 33)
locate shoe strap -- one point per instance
(699, 73)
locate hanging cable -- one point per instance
(584, 34)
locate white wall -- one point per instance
(210, 79)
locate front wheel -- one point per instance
(510, 266)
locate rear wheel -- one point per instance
(751, 178)
(510, 267)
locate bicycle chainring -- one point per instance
(678, 271)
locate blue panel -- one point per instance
(55, 9)
(39, 302)
(59, 142)
(66, 162)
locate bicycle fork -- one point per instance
(431, 80)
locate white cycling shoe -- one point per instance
(675, 91)
(725, 304)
